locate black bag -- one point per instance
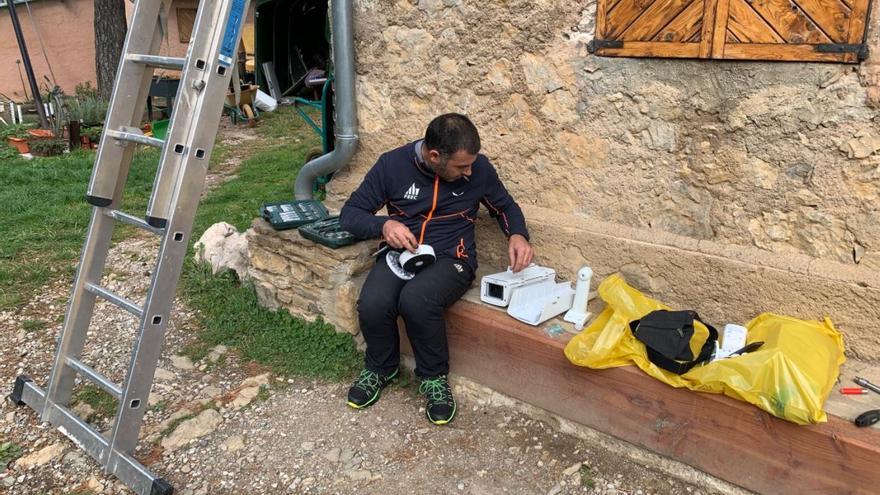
(667, 337)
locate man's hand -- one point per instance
(520, 252)
(398, 236)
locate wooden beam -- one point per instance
(602, 8)
(721, 436)
(708, 28)
(652, 49)
(786, 52)
(858, 21)
(719, 31)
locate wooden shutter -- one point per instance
(804, 30)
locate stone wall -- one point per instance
(307, 279)
(728, 187)
(780, 156)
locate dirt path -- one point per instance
(223, 426)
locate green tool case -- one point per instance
(292, 214)
(328, 233)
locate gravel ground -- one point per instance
(222, 426)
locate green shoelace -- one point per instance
(368, 380)
(436, 389)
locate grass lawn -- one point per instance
(45, 218)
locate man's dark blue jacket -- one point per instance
(439, 213)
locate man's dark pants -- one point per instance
(421, 302)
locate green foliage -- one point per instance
(88, 110)
(9, 452)
(230, 315)
(587, 477)
(47, 147)
(263, 393)
(160, 406)
(16, 130)
(8, 153)
(33, 325)
(103, 403)
(92, 132)
(85, 90)
(195, 351)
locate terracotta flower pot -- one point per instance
(41, 133)
(19, 144)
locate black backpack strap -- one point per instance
(682, 367)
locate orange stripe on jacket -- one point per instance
(433, 208)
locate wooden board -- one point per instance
(721, 436)
(654, 49)
(773, 29)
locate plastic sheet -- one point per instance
(790, 376)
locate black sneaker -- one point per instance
(367, 387)
(440, 407)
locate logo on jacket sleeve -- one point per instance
(412, 192)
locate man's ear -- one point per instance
(434, 155)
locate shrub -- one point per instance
(89, 111)
(46, 147)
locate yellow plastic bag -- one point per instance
(790, 376)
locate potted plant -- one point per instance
(16, 136)
(47, 147)
(20, 144)
(89, 136)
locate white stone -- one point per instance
(360, 475)
(94, 484)
(244, 397)
(572, 469)
(83, 410)
(40, 457)
(224, 248)
(189, 430)
(332, 455)
(182, 362)
(256, 381)
(164, 375)
(234, 443)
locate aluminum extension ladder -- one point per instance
(206, 72)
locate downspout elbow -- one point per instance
(325, 164)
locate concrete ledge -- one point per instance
(723, 437)
(725, 283)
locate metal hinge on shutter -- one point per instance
(596, 44)
(860, 49)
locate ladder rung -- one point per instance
(134, 135)
(132, 220)
(97, 378)
(115, 299)
(157, 61)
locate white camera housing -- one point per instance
(497, 289)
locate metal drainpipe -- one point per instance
(345, 108)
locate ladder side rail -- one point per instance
(208, 109)
(132, 84)
(182, 119)
(196, 74)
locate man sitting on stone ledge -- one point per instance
(432, 190)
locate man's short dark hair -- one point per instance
(452, 132)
